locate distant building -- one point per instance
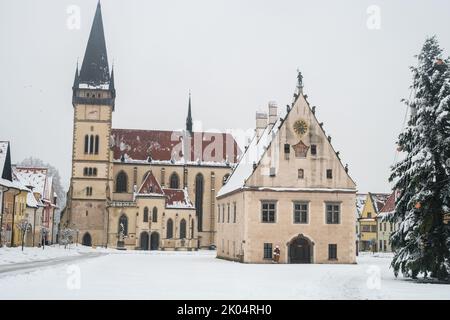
(368, 223)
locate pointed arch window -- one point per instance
(169, 229)
(122, 182)
(86, 144)
(97, 140)
(155, 214)
(123, 224)
(174, 181)
(199, 200)
(183, 229)
(145, 214)
(91, 144)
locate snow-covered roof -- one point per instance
(252, 155)
(378, 200)
(34, 177)
(31, 200)
(360, 202)
(177, 199)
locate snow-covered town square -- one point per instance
(224, 150)
(157, 275)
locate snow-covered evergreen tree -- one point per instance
(421, 243)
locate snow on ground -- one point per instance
(16, 255)
(199, 275)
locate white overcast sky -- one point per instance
(234, 56)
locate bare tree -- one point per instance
(44, 233)
(66, 237)
(24, 226)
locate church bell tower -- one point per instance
(93, 101)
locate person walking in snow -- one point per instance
(276, 254)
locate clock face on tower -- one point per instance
(300, 127)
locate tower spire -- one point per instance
(94, 69)
(189, 116)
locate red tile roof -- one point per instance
(389, 206)
(379, 199)
(178, 198)
(163, 145)
(175, 198)
(150, 185)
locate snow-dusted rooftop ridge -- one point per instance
(252, 155)
(35, 177)
(360, 202)
(3, 152)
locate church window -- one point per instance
(313, 149)
(300, 173)
(145, 214)
(85, 171)
(97, 139)
(95, 171)
(169, 229)
(86, 144)
(155, 215)
(234, 212)
(122, 182)
(199, 200)
(183, 229)
(91, 144)
(174, 181)
(329, 174)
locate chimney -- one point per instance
(261, 123)
(273, 113)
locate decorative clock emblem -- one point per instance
(300, 127)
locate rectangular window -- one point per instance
(369, 215)
(301, 174)
(329, 174)
(381, 226)
(333, 213)
(267, 251)
(234, 212)
(223, 213)
(218, 213)
(268, 212)
(313, 149)
(332, 252)
(228, 213)
(385, 245)
(300, 212)
(384, 226)
(287, 150)
(373, 228)
(381, 246)
(365, 228)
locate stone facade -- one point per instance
(109, 167)
(289, 190)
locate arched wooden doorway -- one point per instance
(87, 240)
(143, 238)
(154, 241)
(301, 250)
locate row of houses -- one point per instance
(27, 203)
